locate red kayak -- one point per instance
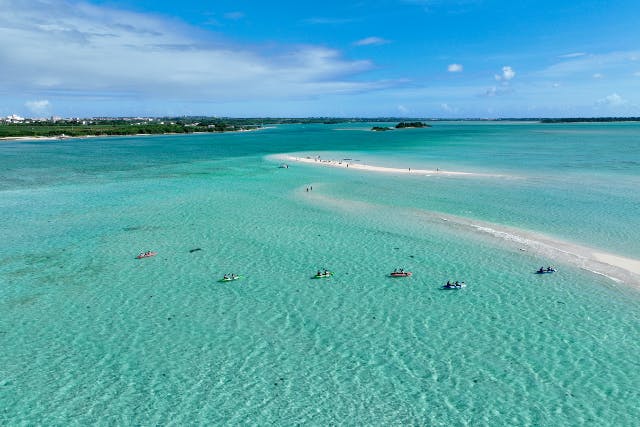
(401, 274)
(146, 255)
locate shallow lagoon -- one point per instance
(92, 335)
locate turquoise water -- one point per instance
(91, 335)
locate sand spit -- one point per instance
(617, 268)
(317, 160)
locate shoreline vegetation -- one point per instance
(401, 125)
(409, 125)
(72, 128)
(14, 127)
(591, 120)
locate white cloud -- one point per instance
(112, 53)
(454, 68)
(572, 55)
(234, 15)
(597, 76)
(369, 41)
(403, 109)
(556, 85)
(497, 91)
(637, 74)
(492, 91)
(448, 108)
(42, 106)
(611, 63)
(507, 74)
(613, 100)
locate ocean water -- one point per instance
(91, 335)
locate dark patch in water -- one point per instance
(28, 300)
(141, 228)
(195, 250)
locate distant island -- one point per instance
(401, 125)
(55, 127)
(404, 125)
(591, 120)
(60, 128)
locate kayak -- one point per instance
(401, 274)
(230, 279)
(545, 271)
(323, 276)
(147, 255)
(454, 286)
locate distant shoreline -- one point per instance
(64, 137)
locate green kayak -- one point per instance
(323, 276)
(230, 279)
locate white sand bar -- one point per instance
(618, 268)
(615, 267)
(317, 160)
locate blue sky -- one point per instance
(413, 58)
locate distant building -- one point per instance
(14, 118)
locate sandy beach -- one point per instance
(64, 137)
(28, 138)
(317, 160)
(615, 267)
